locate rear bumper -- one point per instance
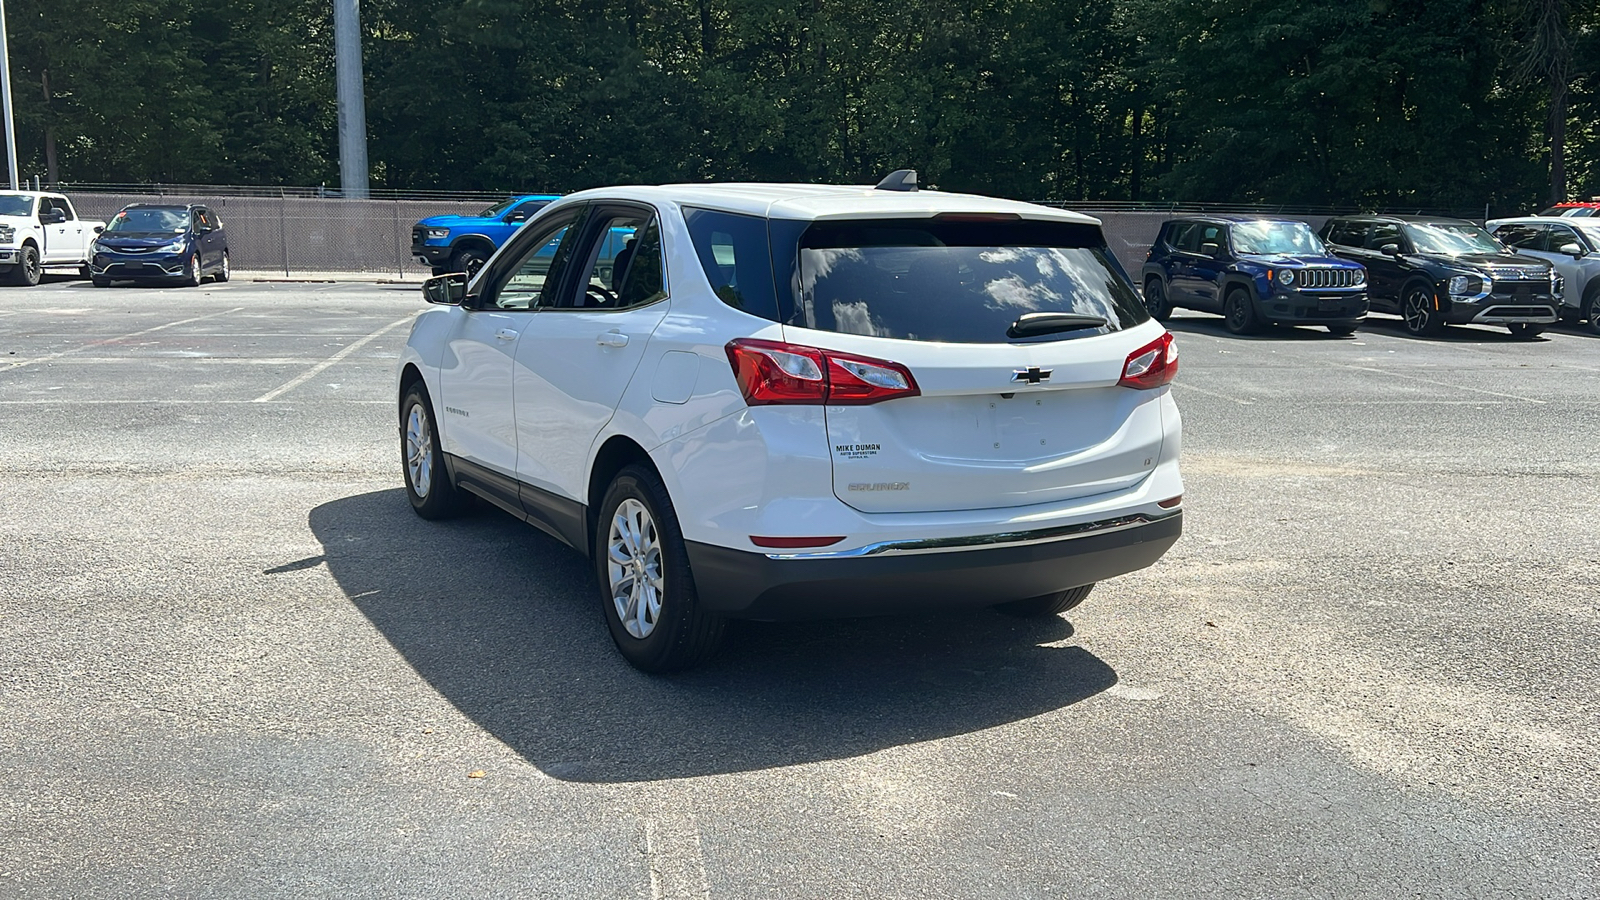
(907, 576)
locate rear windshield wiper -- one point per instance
(1037, 323)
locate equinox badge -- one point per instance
(1032, 375)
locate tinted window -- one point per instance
(1528, 237)
(526, 210)
(624, 264)
(1181, 236)
(1560, 236)
(1345, 233)
(1212, 234)
(957, 282)
(736, 257)
(1383, 233)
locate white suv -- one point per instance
(773, 401)
(1573, 247)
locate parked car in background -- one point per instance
(39, 230)
(1255, 271)
(161, 243)
(463, 243)
(1572, 245)
(776, 401)
(1434, 271)
(1574, 210)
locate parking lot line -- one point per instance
(320, 367)
(1191, 386)
(1455, 387)
(49, 356)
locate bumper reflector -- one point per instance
(1170, 502)
(793, 543)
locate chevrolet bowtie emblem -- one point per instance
(1032, 375)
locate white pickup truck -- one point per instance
(40, 229)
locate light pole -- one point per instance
(5, 99)
(352, 101)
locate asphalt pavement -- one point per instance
(234, 664)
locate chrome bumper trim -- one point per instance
(1545, 318)
(989, 541)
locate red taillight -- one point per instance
(1152, 365)
(772, 372)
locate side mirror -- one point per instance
(1572, 250)
(1211, 250)
(52, 217)
(204, 229)
(1390, 249)
(518, 216)
(99, 228)
(446, 290)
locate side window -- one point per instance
(624, 263)
(525, 211)
(1185, 237)
(529, 281)
(1346, 233)
(1527, 237)
(1560, 236)
(1212, 234)
(736, 255)
(197, 219)
(65, 208)
(1384, 233)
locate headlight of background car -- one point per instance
(438, 234)
(1467, 285)
(1286, 276)
(174, 247)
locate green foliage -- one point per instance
(1364, 102)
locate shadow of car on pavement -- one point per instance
(504, 623)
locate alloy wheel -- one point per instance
(419, 450)
(1417, 312)
(633, 568)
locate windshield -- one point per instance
(150, 220)
(16, 205)
(1288, 238)
(959, 282)
(497, 210)
(1452, 238)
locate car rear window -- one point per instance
(964, 282)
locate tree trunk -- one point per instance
(49, 132)
(1558, 140)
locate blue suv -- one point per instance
(464, 243)
(1255, 271)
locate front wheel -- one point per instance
(1524, 331)
(468, 260)
(433, 495)
(1239, 313)
(1417, 309)
(27, 271)
(1591, 312)
(1047, 605)
(191, 275)
(647, 591)
(224, 273)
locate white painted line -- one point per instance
(46, 358)
(320, 367)
(1191, 386)
(1454, 387)
(164, 401)
(677, 861)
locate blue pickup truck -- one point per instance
(464, 243)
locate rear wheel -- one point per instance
(647, 592)
(1416, 308)
(1155, 300)
(1239, 313)
(1589, 314)
(1047, 605)
(1342, 330)
(433, 495)
(27, 271)
(1525, 331)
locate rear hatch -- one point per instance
(1016, 333)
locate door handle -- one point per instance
(505, 334)
(612, 339)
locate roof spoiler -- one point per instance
(899, 180)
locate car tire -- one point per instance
(191, 275)
(1047, 605)
(645, 586)
(85, 272)
(1589, 313)
(225, 272)
(99, 281)
(433, 495)
(1156, 301)
(1341, 330)
(1239, 313)
(27, 271)
(1417, 312)
(468, 260)
(1525, 331)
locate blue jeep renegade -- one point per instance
(464, 243)
(1254, 271)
